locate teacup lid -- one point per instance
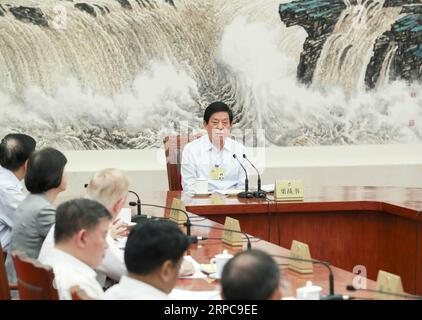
(310, 287)
(225, 254)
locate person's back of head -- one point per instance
(15, 149)
(251, 275)
(45, 171)
(81, 229)
(110, 187)
(154, 251)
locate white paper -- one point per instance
(229, 192)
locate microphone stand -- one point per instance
(187, 223)
(331, 295)
(260, 193)
(350, 287)
(138, 202)
(246, 193)
(249, 245)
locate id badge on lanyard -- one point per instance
(217, 173)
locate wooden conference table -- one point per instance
(351, 227)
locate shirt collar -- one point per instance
(9, 175)
(131, 284)
(209, 146)
(73, 263)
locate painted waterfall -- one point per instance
(102, 74)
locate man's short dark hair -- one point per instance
(75, 215)
(45, 170)
(250, 275)
(153, 242)
(215, 107)
(15, 149)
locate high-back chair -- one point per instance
(35, 281)
(173, 146)
(4, 283)
(78, 293)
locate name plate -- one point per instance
(176, 215)
(300, 250)
(390, 283)
(288, 190)
(232, 238)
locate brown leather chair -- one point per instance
(173, 146)
(4, 283)
(35, 281)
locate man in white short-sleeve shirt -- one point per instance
(80, 244)
(153, 256)
(211, 156)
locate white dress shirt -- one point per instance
(11, 195)
(112, 264)
(200, 156)
(131, 289)
(69, 271)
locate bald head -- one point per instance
(250, 275)
(15, 149)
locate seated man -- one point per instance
(251, 275)
(211, 156)
(15, 150)
(110, 188)
(153, 256)
(80, 236)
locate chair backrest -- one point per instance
(35, 281)
(78, 293)
(4, 283)
(173, 146)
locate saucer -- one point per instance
(214, 276)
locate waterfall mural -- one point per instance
(102, 74)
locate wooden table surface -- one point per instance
(377, 227)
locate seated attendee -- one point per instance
(80, 242)
(251, 275)
(110, 188)
(211, 156)
(45, 178)
(15, 150)
(153, 256)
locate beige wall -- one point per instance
(375, 165)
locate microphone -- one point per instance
(246, 193)
(350, 287)
(249, 246)
(260, 193)
(137, 203)
(331, 295)
(187, 223)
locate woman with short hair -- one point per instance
(45, 178)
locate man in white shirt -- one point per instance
(80, 243)
(15, 150)
(110, 188)
(211, 156)
(153, 256)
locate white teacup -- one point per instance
(220, 261)
(125, 215)
(201, 186)
(309, 292)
